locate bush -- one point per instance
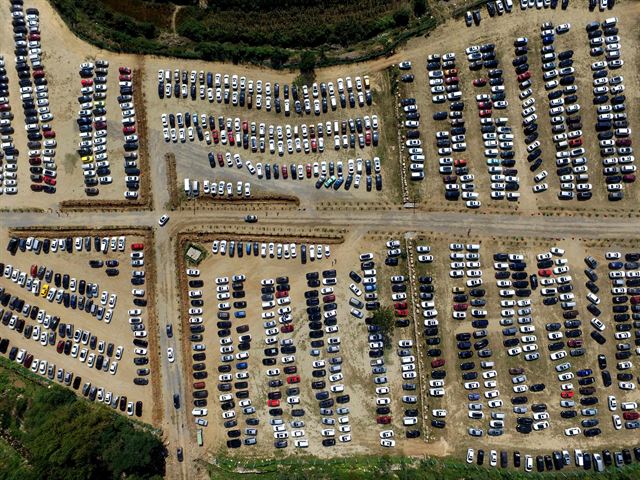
(419, 7)
(401, 17)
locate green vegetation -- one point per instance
(280, 34)
(48, 432)
(389, 468)
(385, 319)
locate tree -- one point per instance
(385, 320)
(419, 7)
(401, 17)
(307, 62)
(278, 58)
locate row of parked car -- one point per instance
(557, 460)
(328, 174)
(497, 136)
(322, 317)
(8, 152)
(42, 282)
(624, 277)
(465, 264)
(376, 342)
(69, 244)
(271, 249)
(92, 123)
(219, 189)
(406, 353)
(279, 139)
(612, 125)
(443, 77)
(226, 312)
(34, 93)
(237, 91)
(278, 327)
(556, 289)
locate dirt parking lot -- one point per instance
(510, 27)
(116, 331)
(355, 367)
(537, 371)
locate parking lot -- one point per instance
(319, 329)
(524, 50)
(71, 312)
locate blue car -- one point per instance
(242, 365)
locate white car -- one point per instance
(170, 355)
(163, 220)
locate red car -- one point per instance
(288, 328)
(34, 270)
(460, 162)
(34, 37)
(635, 300)
(451, 80)
(383, 420)
(367, 138)
(460, 307)
(129, 129)
(60, 346)
(245, 126)
(285, 172)
(37, 187)
(479, 82)
(214, 134)
(125, 70)
(623, 142)
(308, 168)
(575, 342)
(49, 134)
(484, 105)
(273, 403)
(629, 178)
(5, 107)
(545, 272)
(314, 145)
(49, 180)
(575, 142)
(35, 161)
(567, 394)
(137, 246)
(231, 138)
(282, 294)
(451, 72)
(329, 298)
(524, 76)
(86, 82)
(437, 362)
(402, 313)
(484, 113)
(400, 305)
(631, 415)
(293, 379)
(220, 159)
